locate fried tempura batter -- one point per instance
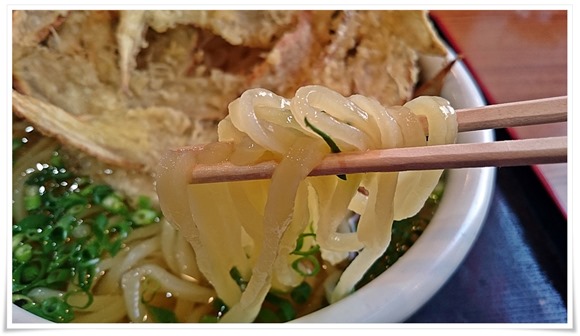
(123, 86)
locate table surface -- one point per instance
(515, 56)
(516, 271)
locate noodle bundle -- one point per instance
(253, 227)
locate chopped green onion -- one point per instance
(20, 300)
(220, 306)
(16, 239)
(81, 231)
(99, 192)
(333, 146)
(56, 160)
(32, 222)
(144, 216)
(28, 274)
(59, 243)
(162, 315)
(267, 315)
(55, 309)
(237, 276)
(32, 199)
(58, 276)
(144, 202)
(114, 204)
(159, 314)
(285, 310)
(16, 143)
(306, 265)
(300, 242)
(276, 309)
(301, 293)
(23, 253)
(76, 209)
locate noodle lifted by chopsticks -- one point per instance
(253, 226)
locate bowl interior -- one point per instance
(417, 275)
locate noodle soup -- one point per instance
(397, 293)
(176, 290)
(122, 253)
(75, 240)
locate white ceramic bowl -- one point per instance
(421, 271)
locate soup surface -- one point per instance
(70, 231)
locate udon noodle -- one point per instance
(258, 231)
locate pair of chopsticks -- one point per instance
(498, 154)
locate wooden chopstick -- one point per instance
(467, 155)
(498, 154)
(530, 112)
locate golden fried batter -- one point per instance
(123, 86)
